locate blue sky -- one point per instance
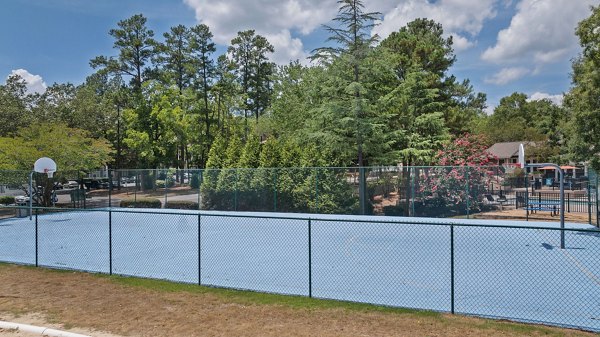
(502, 46)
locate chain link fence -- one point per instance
(476, 267)
(439, 192)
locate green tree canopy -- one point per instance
(71, 149)
(582, 99)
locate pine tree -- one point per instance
(216, 161)
(354, 43)
(249, 161)
(227, 184)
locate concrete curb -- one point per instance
(43, 331)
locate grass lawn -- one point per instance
(141, 307)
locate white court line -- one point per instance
(574, 260)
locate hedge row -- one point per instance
(7, 200)
(182, 204)
(141, 203)
(156, 203)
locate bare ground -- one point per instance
(90, 303)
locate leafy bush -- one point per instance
(182, 204)
(7, 200)
(141, 203)
(161, 183)
(460, 187)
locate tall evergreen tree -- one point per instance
(136, 46)
(174, 55)
(353, 45)
(202, 48)
(249, 56)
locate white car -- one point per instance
(72, 184)
(21, 199)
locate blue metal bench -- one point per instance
(548, 206)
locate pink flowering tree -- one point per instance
(461, 176)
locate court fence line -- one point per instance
(419, 191)
(462, 253)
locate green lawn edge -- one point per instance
(249, 297)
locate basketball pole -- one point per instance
(30, 194)
(562, 198)
(562, 190)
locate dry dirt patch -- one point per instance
(84, 301)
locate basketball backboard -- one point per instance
(45, 165)
(522, 155)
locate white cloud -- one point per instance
(507, 75)
(461, 42)
(538, 96)
(541, 31)
(287, 48)
(283, 20)
(274, 19)
(463, 19)
(35, 83)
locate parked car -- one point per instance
(72, 184)
(21, 199)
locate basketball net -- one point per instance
(49, 173)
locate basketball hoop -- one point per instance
(43, 165)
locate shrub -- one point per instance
(182, 204)
(161, 183)
(141, 203)
(7, 200)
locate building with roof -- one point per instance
(508, 156)
(508, 152)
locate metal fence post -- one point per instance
(36, 237)
(452, 269)
(309, 257)
(138, 184)
(412, 191)
(362, 190)
(199, 250)
(166, 187)
(110, 187)
(467, 190)
(597, 210)
(589, 202)
(317, 190)
(235, 197)
(274, 190)
(200, 182)
(526, 194)
(110, 250)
